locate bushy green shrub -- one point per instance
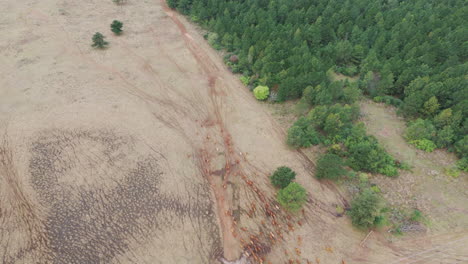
(389, 100)
(302, 135)
(454, 172)
(365, 209)
(292, 197)
(420, 129)
(213, 40)
(444, 137)
(261, 92)
(172, 3)
(461, 147)
(424, 144)
(366, 154)
(330, 166)
(351, 93)
(245, 80)
(98, 41)
(282, 177)
(462, 164)
(116, 27)
(317, 116)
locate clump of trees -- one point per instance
(291, 194)
(409, 54)
(116, 27)
(98, 41)
(282, 177)
(292, 197)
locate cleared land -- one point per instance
(147, 152)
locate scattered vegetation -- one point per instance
(282, 177)
(424, 144)
(116, 27)
(292, 197)
(98, 41)
(453, 172)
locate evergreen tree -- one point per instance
(116, 27)
(98, 41)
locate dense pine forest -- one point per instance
(411, 54)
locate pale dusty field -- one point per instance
(147, 152)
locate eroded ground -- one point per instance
(147, 152)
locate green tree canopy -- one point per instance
(292, 197)
(282, 177)
(98, 41)
(116, 27)
(330, 166)
(365, 209)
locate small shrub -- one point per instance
(98, 41)
(461, 147)
(462, 164)
(416, 216)
(424, 144)
(453, 172)
(245, 80)
(292, 197)
(121, 2)
(340, 210)
(330, 166)
(444, 137)
(404, 166)
(213, 40)
(365, 210)
(363, 178)
(116, 27)
(261, 92)
(375, 189)
(282, 177)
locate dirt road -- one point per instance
(147, 152)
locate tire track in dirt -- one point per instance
(255, 245)
(231, 251)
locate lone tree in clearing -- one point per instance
(116, 27)
(98, 41)
(282, 177)
(366, 210)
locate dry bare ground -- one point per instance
(147, 152)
